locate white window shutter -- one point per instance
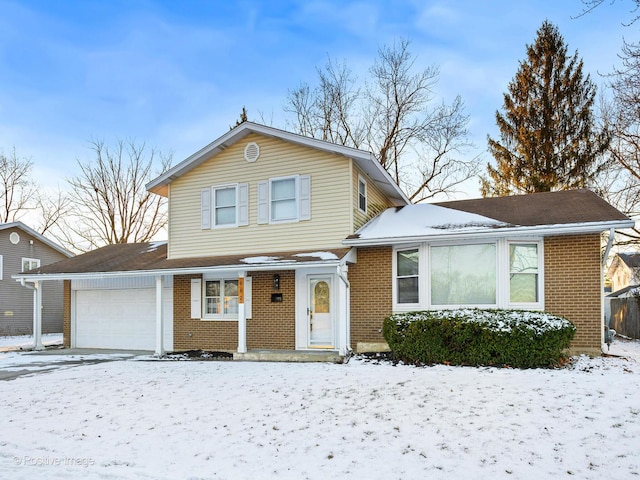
(305, 197)
(196, 298)
(263, 202)
(247, 297)
(205, 208)
(243, 204)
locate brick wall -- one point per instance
(572, 273)
(272, 325)
(66, 314)
(371, 297)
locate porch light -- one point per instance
(276, 282)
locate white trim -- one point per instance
(536, 230)
(33, 233)
(1, 267)
(285, 265)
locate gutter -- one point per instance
(248, 267)
(537, 230)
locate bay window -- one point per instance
(499, 273)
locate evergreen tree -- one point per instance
(548, 137)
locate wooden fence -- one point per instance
(625, 316)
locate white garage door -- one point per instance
(120, 318)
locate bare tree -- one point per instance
(328, 111)
(52, 209)
(619, 182)
(591, 5)
(17, 189)
(109, 200)
(418, 140)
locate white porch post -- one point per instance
(242, 318)
(37, 316)
(159, 325)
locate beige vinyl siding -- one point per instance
(376, 200)
(330, 201)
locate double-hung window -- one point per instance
(362, 194)
(220, 298)
(284, 201)
(523, 273)
(224, 206)
(407, 278)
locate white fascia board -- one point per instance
(179, 271)
(536, 230)
(244, 129)
(33, 233)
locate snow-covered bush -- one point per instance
(516, 338)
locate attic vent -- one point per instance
(251, 152)
(14, 238)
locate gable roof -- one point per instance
(542, 214)
(33, 233)
(136, 259)
(546, 208)
(631, 260)
(365, 160)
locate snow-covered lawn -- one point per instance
(230, 420)
(25, 341)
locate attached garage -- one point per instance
(120, 313)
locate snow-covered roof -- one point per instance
(540, 214)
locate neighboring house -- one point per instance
(22, 249)
(279, 242)
(624, 270)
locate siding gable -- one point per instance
(329, 211)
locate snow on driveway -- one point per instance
(235, 420)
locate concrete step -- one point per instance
(289, 356)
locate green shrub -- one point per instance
(517, 338)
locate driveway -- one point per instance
(17, 364)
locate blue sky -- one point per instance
(176, 74)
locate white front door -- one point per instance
(320, 312)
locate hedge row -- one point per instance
(517, 338)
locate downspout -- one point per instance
(609, 245)
(608, 334)
(347, 328)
